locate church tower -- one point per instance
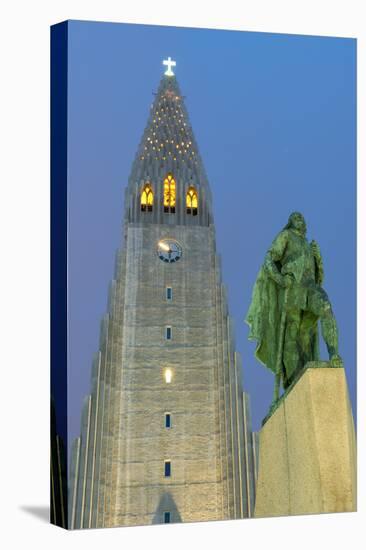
(165, 434)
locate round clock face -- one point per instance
(169, 250)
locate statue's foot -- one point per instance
(336, 361)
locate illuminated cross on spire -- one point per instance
(170, 64)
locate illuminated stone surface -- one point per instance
(307, 462)
(117, 476)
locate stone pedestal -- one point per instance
(307, 449)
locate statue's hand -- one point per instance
(287, 281)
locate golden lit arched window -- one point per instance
(192, 201)
(169, 194)
(147, 198)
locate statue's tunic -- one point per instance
(291, 254)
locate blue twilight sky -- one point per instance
(275, 120)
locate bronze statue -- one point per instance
(287, 302)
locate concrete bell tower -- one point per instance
(165, 433)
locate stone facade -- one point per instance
(118, 474)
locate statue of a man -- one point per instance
(287, 302)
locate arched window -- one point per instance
(147, 198)
(169, 194)
(192, 201)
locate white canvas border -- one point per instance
(25, 273)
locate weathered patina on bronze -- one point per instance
(287, 303)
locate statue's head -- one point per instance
(297, 222)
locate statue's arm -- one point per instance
(275, 254)
(319, 269)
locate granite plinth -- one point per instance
(307, 449)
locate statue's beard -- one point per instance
(301, 231)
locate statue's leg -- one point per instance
(291, 352)
(308, 328)
(320, 305)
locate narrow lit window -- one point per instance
(169, 194)
(167, 468)
(168, 375)
(168, 420)
(169, 293)
(166, 517)
(192, 201)
(147, 198)
(168, 333)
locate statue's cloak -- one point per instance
(263, 318)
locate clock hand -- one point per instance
(164, 246)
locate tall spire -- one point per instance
(166, 344)
(168, 136)
(168, 143)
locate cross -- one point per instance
(170, 64)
